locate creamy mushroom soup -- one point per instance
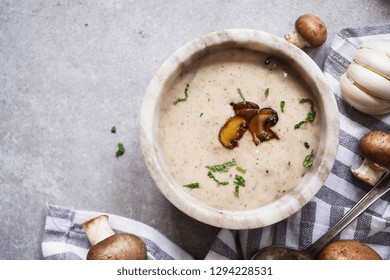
(198, 108)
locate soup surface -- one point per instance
(189, 129)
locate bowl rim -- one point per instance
(314, 177)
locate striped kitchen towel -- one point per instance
(65, 239)
(341, 190)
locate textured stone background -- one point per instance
(70, 70)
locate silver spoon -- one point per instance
(275, 252)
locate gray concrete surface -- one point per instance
(70, 70)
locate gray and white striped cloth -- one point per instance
(64, 238)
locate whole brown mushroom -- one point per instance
(348, 250)
(375, 149)
(108, 245)
(310, 31)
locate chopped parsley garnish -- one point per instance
(298, 125)
(185, 96)
(264, 134)
(121, 150)
(282, 103)
(192, 186)
(310, 116)
(241, 170)
(211, 175)
(306, 100)
(308, 160)
(241, 95)
(221, 167)
(239, 182)
(266, 92)
(113, 129)
(201, 114)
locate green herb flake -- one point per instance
(298, 125)
(201, 114)
(310, 116)
(185, 96)
(121, 150)
(266, 92)
(239, 181)
(241, 170)
(308, 160)
(113, 129)
(211, 175)
(306, 100)
(264, 134)
(282, 104)
(221, 167)
(192, 186)
(242, 96)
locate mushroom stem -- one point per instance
(98, 229)
(375, 149)
(368, 172)
(296, 39)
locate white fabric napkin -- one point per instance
(64, 238)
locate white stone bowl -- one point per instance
(310, 183)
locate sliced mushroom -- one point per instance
(245, 109)
(106, 245)
(261, 124)
(232, 131)
(310, 31)
(375, 149)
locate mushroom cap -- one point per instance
(312, 29)
(348, 250)
(375, 147)
(121, 246)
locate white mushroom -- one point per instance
(366, 83)
(107, 245)
(310, 31)
(375, 148)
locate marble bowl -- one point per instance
(310, 183)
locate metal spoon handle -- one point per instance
(373, 195)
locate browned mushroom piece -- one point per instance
(310, 31)
(348, 250)
(232, 131)
(375, 149)
(107, 245)
(261, 124)
(245, 109)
